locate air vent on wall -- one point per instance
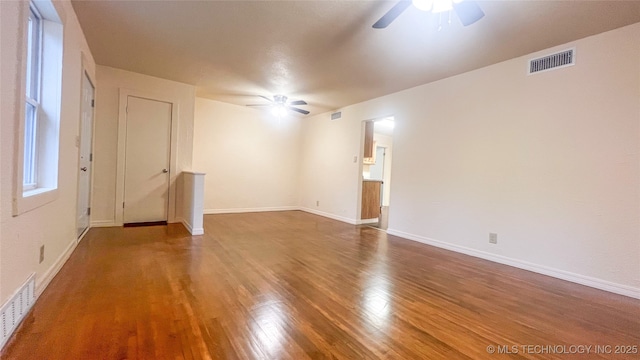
(15, 309)
(554, 61)
(336, 115)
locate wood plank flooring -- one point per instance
(291, 285)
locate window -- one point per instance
(37, 177)
(32, 106)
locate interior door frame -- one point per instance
(122, 133)
(92, 79)
(359, 220)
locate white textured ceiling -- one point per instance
(325, 52)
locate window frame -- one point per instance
(33, 94)
(45, 95)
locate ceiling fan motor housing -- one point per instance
(280, 99)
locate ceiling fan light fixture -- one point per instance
(424, 5)
(442, 6)
(435, 6)
(280, 106)
(468, 11)
(280, 99)
(279, 110)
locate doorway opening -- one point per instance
(376, 172)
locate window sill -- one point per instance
(32, 199)
(36, 191)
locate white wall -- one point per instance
(192, 194)
(550, 162)
(110, 81)
(330, 165)
(54, 224)
(250, 157)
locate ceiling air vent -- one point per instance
(336, 115)
(554, 61)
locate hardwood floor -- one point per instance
(291, 285)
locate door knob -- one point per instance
(165, 171)
(84, 168)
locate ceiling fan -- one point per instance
(280, 105)
(468, 11)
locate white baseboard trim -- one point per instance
(46, 278)
(248, 210)
(367, 221)
(192, 231)
(84, 233)
(540, 269)
(103, 223)
(186, 224)
(330, 216)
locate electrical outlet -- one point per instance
(355, 159)
(317, 202)
(41, 253)
(493, 238)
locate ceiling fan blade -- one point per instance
(298, 102)
(305, 112)
(259, 105)
(392, 14)
(468, 12)
(266, 98)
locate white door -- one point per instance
(147, 159)
(85, 141)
